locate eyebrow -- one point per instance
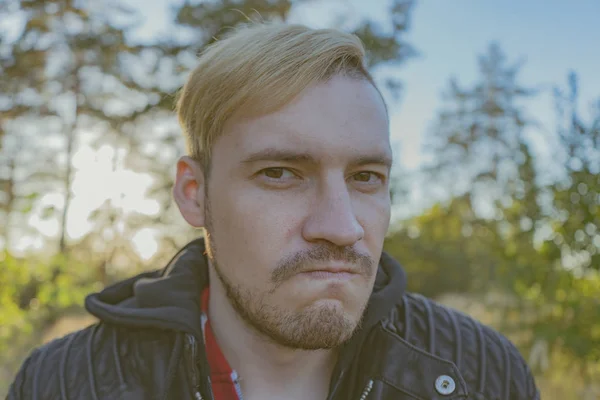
(291, 156)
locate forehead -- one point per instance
(333, 120)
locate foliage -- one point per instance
(67, 76)
(444, 249)
(33, 292)
(576, 197)
(479, 135)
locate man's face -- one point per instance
(299, 190)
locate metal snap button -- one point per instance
(445, 385)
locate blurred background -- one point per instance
(495, 122)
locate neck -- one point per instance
(266, 369)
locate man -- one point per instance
(290, 297)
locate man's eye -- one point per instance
(277, 173)
(367, 177)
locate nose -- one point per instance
(333, 218)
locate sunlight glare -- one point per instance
(144, 243)
(98, 180)
(100, 176)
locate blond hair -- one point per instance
(257, 69)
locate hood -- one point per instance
(170, 298)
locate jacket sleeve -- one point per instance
(523, 384)
(42, 375)
(534, 393)
(21, 387)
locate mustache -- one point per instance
(298, 262)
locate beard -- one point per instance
(312, 328)
(317, 327)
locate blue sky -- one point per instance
(552, 36)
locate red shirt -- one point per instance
(223, 378)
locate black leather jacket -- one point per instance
(148, 346)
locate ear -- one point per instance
(189, 191)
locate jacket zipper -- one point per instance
(194, 349)
(236, 384)
(367, 390)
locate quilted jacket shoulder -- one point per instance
(98, 362)
(490, 364)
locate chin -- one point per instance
(336, 306)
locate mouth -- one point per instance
(337, 273)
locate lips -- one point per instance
(333, 270)
(331, 273)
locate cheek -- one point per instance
(374, 215)
(253, 230)
(261, 216)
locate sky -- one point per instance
(553, 37)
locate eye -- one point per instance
(277, 173)
(367, 177)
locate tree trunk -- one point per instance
(9, 190)
(71, 138)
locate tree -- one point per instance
(479, 136)
(73, 61)
(479, 150)
(577, 192)
(21, 101)
(568, 297)
(445, 249)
